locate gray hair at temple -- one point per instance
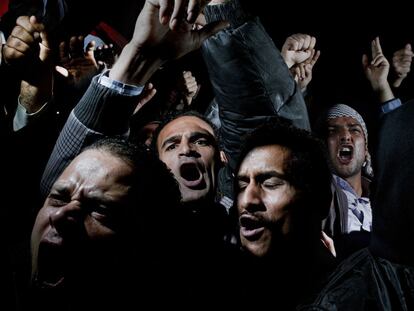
(341, 110)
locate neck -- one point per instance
(356, 183)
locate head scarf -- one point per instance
(341, 110)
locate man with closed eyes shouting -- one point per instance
(282, 194)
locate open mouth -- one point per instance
(251, 227)
(345, 154)
(191, 174)
(50, 263)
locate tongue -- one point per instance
(345, 155)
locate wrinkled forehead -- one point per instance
(97, 167)
(264, 159)
(185, 125)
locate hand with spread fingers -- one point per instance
(159, 37)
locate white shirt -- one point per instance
(359, 208)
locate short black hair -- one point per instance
(306, 169)
(178, 114)
(155, 191)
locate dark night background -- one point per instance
(343, 30)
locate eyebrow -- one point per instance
(171, 140)
(193, 136)
(264, 175)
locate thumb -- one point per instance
(212, 28)
(408, 47)
(44, 39)
(45, 51)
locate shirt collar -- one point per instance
(344, 185)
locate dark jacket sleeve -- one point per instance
(101, 111)
(250, 78)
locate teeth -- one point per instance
(346, 149)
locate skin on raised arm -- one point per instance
(147, 94)
(154, 42)
(377, 71)
(139, 59)
(401, 63)
(28, 50)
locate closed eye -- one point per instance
(58, 198)
(242, 185)
(272, 182)
(272, 185)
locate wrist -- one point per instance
(33, 98)
(289, 63)
(134, 66)
(384, 92)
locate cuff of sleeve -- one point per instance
(106, 109)
(390, 105)
(22, 118)
(121, 88)
(231, 11)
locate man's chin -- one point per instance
(192, 195)
(346, 171)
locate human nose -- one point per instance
(345, 135)
(187, 149)
(67, 218)
(251, 199)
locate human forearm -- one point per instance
(32, 97)
(135, 66)
(107, 110)
(383, 92)
(248, 72)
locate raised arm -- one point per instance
(250, 78)
(377, 71)
(300, 56)
(297, 48)
(401, 64)
(109, 102)
(28, 52)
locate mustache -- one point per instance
(256, 217)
